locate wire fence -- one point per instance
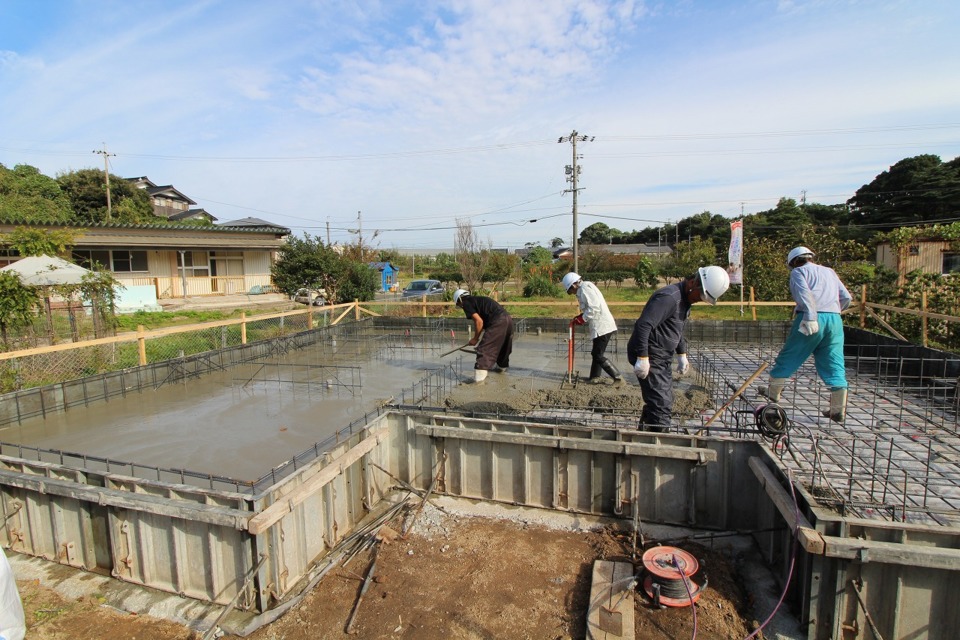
(50, 364)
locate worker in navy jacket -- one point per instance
(658, 335)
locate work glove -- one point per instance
(809, 327)
(683, 363)
(579, 320)
(642, 368)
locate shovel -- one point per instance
(463, 348)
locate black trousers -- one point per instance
(597, 352)
(496, 345)
(657, 391)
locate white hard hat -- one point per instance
(458, 294)
(796, 252)
(569, 280)
(714, 281)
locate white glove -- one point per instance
(809, 327)
(642, 368)
(683, 363)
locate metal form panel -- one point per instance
(898, 579)
(171, 537)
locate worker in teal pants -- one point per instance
(817, 330)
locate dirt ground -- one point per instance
(454, 576)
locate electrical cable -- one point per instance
(793, 559)
(686, 587)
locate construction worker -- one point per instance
(658, 334)
(496, 325)
(596, 315)
(817, 329)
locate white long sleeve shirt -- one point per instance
(816, 288)
(595, 311)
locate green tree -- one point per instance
(30, 241)
(86, 189)
(539, 256)
(556, 243)
(500, 267)
(646, 273)
(26, 195)
(307, 262)
(912, 190)
(359, 281)
(598, 233)
(688, 256)
(17, 304)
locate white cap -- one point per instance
(458, 294)
(796, 252)
(569, 280)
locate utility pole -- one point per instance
(328, 231)
(573, 171)
(106, 172)
(360, 234)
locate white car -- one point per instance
(310, 296)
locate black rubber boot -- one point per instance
(612, 371)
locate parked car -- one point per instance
(308, 296)
(429, 288)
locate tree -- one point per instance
(598, 233)
(472, 258)
(912, 190)
(26, 195)
(17, 304)
(500, 267)
(556, 243)
(539, 256)
(360, 281)
(688, 256)
(646, 274)
(307, 263)
(87, 192)
(37, 242)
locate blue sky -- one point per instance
(420, 114)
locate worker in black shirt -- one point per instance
(658, 334)
(496, 325)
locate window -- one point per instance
(8, 256)
(951, 262)
(117, 261)
(129, 261)
(195, 263)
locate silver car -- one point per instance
(429, 288)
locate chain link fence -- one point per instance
(43, 365)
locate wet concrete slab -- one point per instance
(243, 421)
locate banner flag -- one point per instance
(735, 254)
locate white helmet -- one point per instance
(714, 281)
(569, 280)
(796, 252)
(459, 293)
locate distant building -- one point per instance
(388, 275)
(170, 203)
(929, 256)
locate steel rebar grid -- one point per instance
(896, 456)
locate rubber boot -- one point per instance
(838, 405)
(613, 372)
(773, 390)
(479, 375)
(595, 367)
